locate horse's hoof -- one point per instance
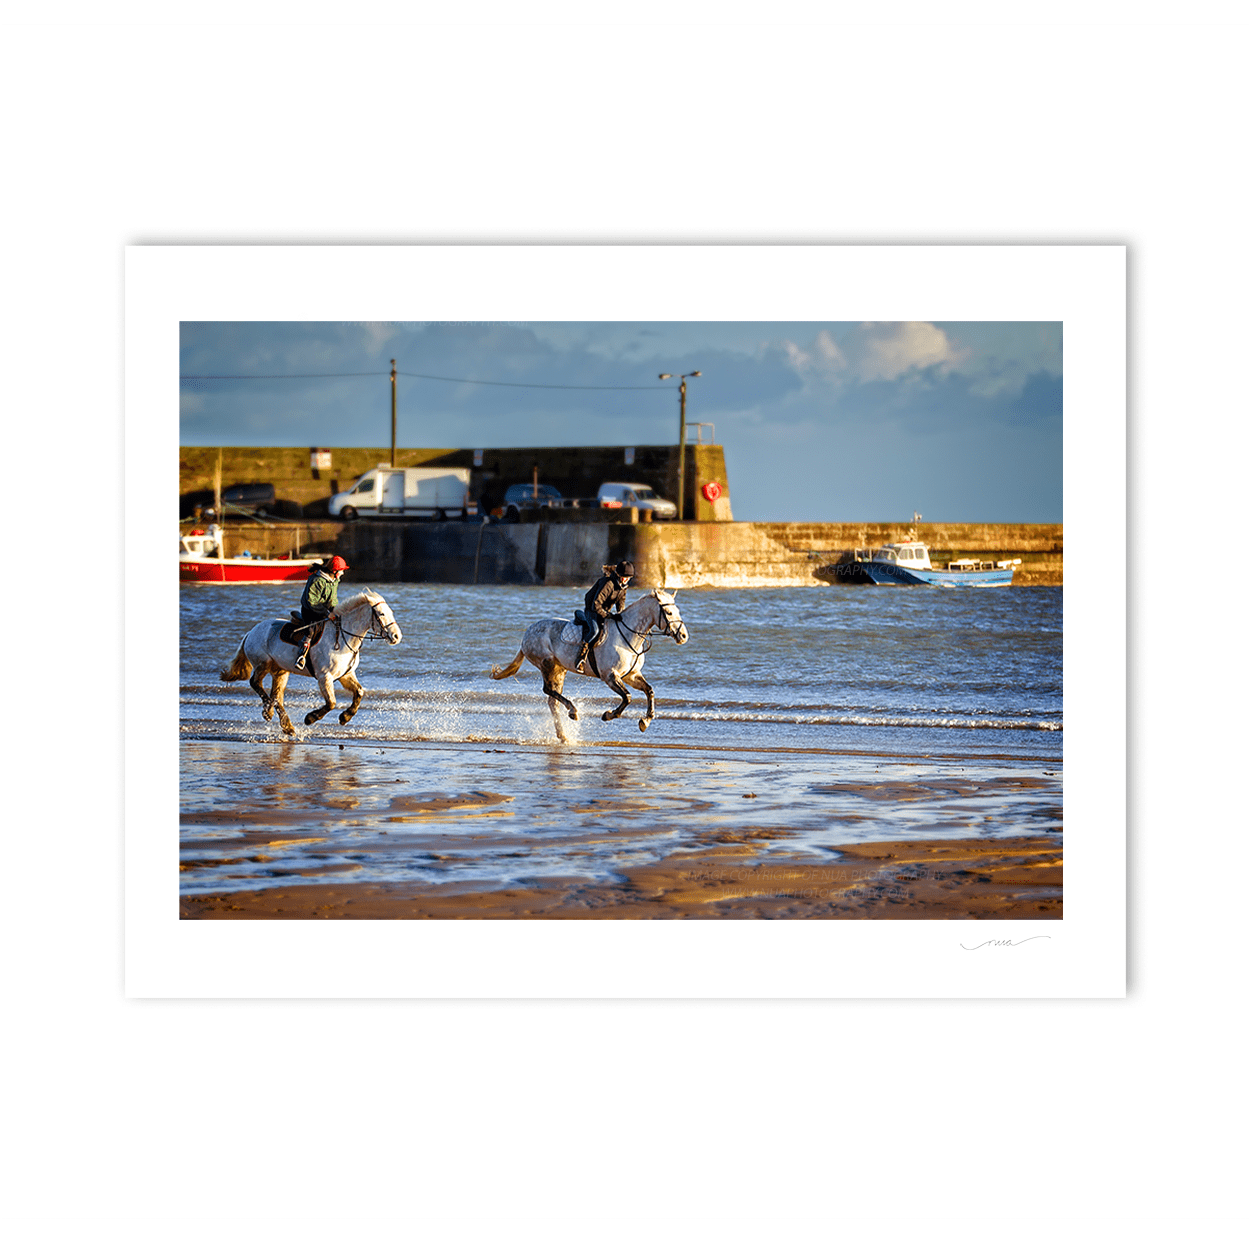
(572, 712)
(310, 719)
(642, 724)
(344, 717)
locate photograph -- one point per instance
(687, 620)
(715, 466)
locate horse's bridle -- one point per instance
(667, 630)
(377, 626)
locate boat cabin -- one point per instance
(909, 555)
(201, 542)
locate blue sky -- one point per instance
(820, 421)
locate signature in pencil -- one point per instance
(1005, 942)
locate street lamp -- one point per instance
(681, 443)
(393, 465)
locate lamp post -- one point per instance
(392, 414)
(681, 443)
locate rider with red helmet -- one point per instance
(320, 599)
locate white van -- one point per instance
(635, 495)
(385, 492)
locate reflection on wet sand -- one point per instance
(442, 830)
(1009, 879)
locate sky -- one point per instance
(820, 421)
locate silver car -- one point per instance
(635, 495)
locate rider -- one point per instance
(320, 599)
(607, 595)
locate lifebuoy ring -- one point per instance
(711, 491)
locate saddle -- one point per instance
(293, 631)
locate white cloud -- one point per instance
(998, 378)
(875, 351)
(378, 334)
(822, 358)
(881, 351)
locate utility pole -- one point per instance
(681, 444)
(392, 414)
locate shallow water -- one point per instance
(800, 718)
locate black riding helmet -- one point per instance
(624, 569)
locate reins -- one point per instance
(645, 635)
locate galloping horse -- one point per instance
(552, 647)
(265, 651)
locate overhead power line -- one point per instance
(433, 377)
(245, 377)
(542, 386)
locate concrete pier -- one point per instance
(673, 554)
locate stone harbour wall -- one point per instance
(786, 554)
(674, 554)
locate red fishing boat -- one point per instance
(200, 560)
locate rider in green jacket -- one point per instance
(319, 600)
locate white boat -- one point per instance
(907, 563)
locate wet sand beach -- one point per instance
(1016, 878)
(614, 831)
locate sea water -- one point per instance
(832, 714)
(896, 667)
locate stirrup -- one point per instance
(302, 657)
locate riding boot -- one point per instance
(303, 655)
(581, 657)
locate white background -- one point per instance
(1081, 287)
(194, 1123)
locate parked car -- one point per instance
(523, 493)
(255, 497)
(522, 496)
(258, 497)
(635, 495)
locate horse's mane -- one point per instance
(365, 596)
(655, 593)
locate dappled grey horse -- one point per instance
(272, 647)
(552, 647)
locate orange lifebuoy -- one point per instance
(711, 491)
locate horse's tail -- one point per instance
(240, 667)
(499, 673)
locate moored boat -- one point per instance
(907, 564)
(200, 560)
